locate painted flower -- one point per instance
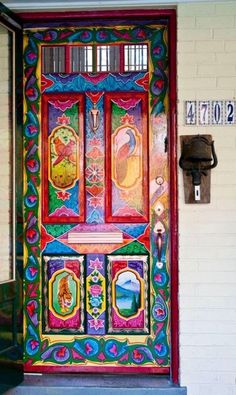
(102, 35)
(96, 323)
(94, 173)
(32, 235)
(96, 264)
(64, 120)
(127, 119)
(85, 34)
(137, 356)
(94, 142)
(95, 301)
(95, 290)
(34, 344)
(157, 278)
(95, 201)
(159, 311)
(63, 195)
(95, 279)
(31, 129)
(32, 165)
(95, 153)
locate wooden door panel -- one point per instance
(127, 195)
(63, 158)
(102, 189)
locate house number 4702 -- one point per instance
(206, 112)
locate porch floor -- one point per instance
(93, 385)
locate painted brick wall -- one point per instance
(207, 70)
(4, 157)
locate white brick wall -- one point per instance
(207, 267)
(4, 158)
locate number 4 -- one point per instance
(190, 118)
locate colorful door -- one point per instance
(96, 199)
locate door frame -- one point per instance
(47, 19)
(11, 366)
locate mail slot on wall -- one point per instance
(197, 158)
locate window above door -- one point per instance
(91, 58)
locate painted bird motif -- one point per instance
(124, 152)
(64, 151)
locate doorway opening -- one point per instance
(100, 194)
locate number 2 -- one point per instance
(229, 112)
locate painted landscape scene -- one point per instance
(127, 294)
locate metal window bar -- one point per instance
(136, 57)
(108, 58)
(82, 59)
(53, 59)
(101, 58)
(115, 58)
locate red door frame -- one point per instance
(35, 19)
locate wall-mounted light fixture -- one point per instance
(198, 157)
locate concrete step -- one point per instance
(81, 384)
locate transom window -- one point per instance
(53, 59)
(108, 58)
(99, 58)
(135, 57)
(81, 59)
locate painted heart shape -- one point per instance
(34, 344)
(113, 350)
(158, 347)
(33, 270)
(61, 352)
(160, 311)
(88, 348)
(137, 355)
(159, 83)
(31, 308)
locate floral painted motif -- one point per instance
(94, 173)
(96, 294)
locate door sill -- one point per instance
(96, 385)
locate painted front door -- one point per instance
(96, 199)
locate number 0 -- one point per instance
(217, 108)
